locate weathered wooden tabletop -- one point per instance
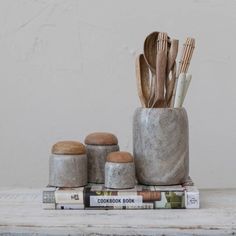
(21, 213)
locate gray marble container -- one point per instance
(98, 146)
(96, 161)
(68, 164)
(119, 175)
(68, 170)
(119, 170)
(161, 145)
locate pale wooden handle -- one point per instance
(170, 85)
(161, 62)
(138, 80)
(172, 55)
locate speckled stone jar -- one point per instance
(98, 146)
(119, 171)
(161, 145)
(68, 165)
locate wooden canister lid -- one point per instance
(120, 157)
(68, 148)
(100, 138)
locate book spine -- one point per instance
(61, 206)
(192, 197)
(134, 200)
(110, 199)
(69, 196)
(49, 198)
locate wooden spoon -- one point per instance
(171, 84)
(171, 67)
(143, 82)
(161, 61)
(150, 50)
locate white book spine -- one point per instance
(75, 196)
(192, 198)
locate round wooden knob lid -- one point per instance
(120, 157)
(100, 138)
(68, 148)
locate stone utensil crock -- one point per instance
(161, 146)
(68, 165)
(119, 171)
(98, 146)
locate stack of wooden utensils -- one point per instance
(160, 83)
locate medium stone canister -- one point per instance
(98, 146)
(119, 170)
(68, 165)
(161, 145)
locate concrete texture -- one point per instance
(161, 145)
(96, 161)
(67, 170)
(119, 175)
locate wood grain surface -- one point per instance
(68, 147)
(120, 157)
(101, 138)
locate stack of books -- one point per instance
(96, 196)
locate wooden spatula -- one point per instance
(161, 64)
(142, 78)
(171, 69)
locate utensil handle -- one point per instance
(161, 63)
(180, 90)
(186, 86)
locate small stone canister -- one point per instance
(120, 171)
(98, 146)
(68, 165)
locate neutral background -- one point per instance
(67, 69)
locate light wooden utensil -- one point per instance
(186, 56)
(184, 63)
(161, 64)
(150, 49)
(152, 90)
(142, 78)
(150, 52)
(171, 69)
(172, 54)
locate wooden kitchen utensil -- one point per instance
(143, 81)
(161, 64)
(184, 62)
(186, 55)
(150, 49)
(171, 69)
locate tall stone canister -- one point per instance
(68, 165)
(161, 145)
(98, 146)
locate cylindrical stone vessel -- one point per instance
(98, 146)
(68, 165)
(161, 145)
(119, 171)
